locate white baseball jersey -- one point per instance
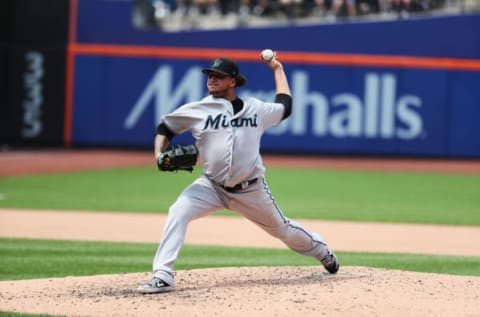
(228, 143)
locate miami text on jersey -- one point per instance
(221, 120)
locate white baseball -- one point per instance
(267, 55)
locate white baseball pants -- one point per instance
(255, 203)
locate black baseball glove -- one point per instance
(180, 157)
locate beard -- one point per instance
(218, 93)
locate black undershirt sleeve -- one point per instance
(162, 129)
(286, 101)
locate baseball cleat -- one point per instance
(155, 285)
(330, 262)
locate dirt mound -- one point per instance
(258, 291)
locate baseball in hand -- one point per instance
(267, 55)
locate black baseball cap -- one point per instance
(227, 67)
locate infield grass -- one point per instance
(300, 193)
(28, 259)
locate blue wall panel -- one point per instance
(338, 109)
(464, 125)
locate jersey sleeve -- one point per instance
(272, 113)
(181, 120)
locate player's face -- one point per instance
(221, 86)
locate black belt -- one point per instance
(240, 186)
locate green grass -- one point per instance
(28, 259)
(379, 196)
(300, 193)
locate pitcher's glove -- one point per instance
(180, 157)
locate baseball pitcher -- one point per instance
(227, 131)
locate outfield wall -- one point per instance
(367, 88)
(33, 38)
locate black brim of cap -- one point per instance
(215, 70)
(241, 80)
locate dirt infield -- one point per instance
(262, 291)
(236, 231)
(14, 163)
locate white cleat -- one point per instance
(155, 285)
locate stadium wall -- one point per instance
(33, 40)
(398, 88)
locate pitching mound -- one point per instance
(257, 291)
